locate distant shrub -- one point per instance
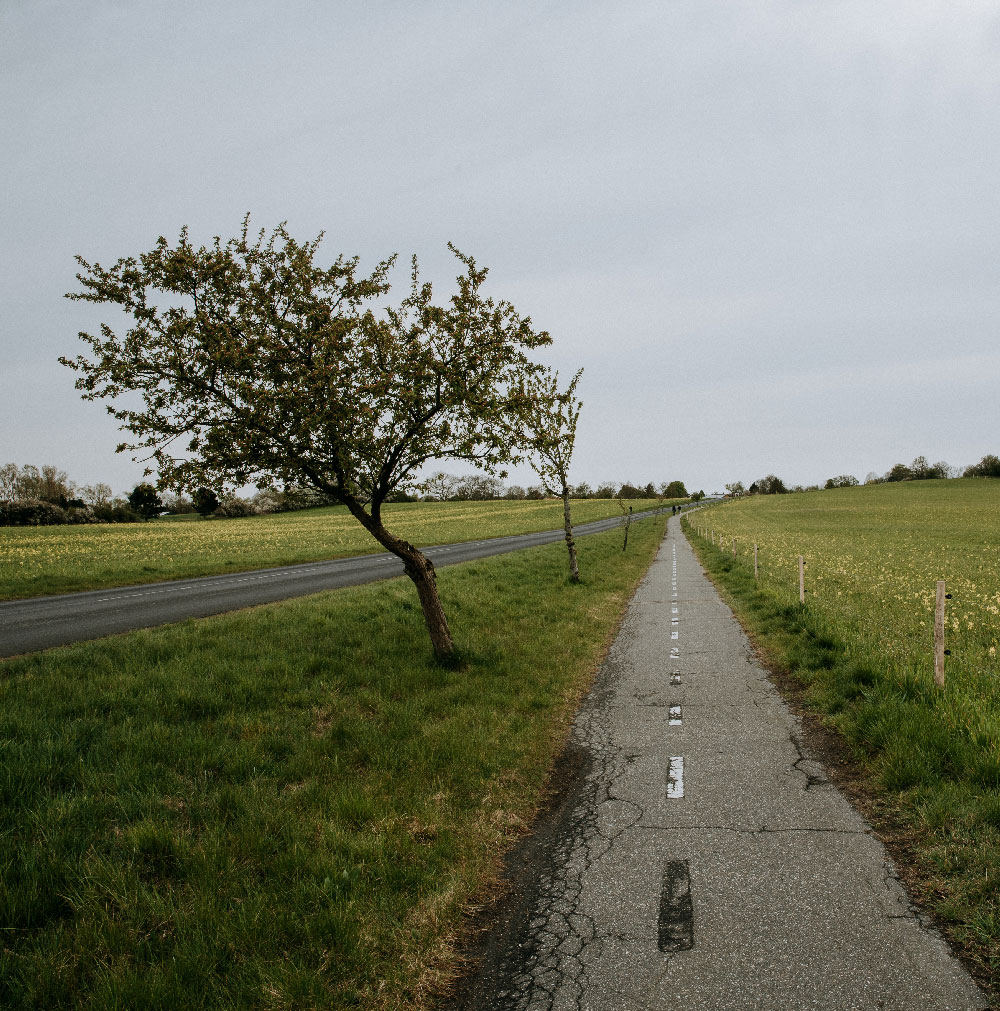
(116, 511)
(77, 514)
(843, 481)
(31, 512)
(770, 485)
(144, 500)
(205, 501)
(234, 508)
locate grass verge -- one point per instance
(930, 790)
(64, 559)
(290, 806)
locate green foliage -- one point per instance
(267, 366)
(989, 466)
(674, 489)
(31, 513)
(547, 419)
(770, 485)
(205, 501)
(144, 500)
(843, 481)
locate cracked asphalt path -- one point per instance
(702, 860)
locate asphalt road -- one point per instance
(44, 622)
(699, 858)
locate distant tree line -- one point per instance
(442, 487)
(918, 470)
(43, 496)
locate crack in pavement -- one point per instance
(561, 943)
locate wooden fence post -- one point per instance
(939, 635)
(734, 547)
(802, 580)
(755, 560)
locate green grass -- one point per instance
(862, 648)
(287, 807)
(62, 559)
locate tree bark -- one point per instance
(421, 570)
(574, 572)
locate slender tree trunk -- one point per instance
(420, 569)
(574, 572)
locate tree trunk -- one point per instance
(574, 572)
(420, 569)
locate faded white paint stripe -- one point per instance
(675, 716)
(675, 778)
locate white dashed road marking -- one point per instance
(675, 778)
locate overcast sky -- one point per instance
(769, 232)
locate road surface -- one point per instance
(700, 860)
(43, 622)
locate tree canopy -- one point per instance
(253, 364)
(547, 418)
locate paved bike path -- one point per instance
(705, 862)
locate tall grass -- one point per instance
(287, 807)
(39, 560)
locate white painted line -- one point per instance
(675, 778)
(675, 716)
(675, 678)
(675, 634)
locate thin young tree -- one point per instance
(250, 363)
(548, 420)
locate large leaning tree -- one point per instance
(246, 362)
(547, 417)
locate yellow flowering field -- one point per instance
(873, 555)
(61, 559)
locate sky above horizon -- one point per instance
(768, 231)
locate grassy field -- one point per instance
(287, 807)
(61, 559)
(863, 647)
